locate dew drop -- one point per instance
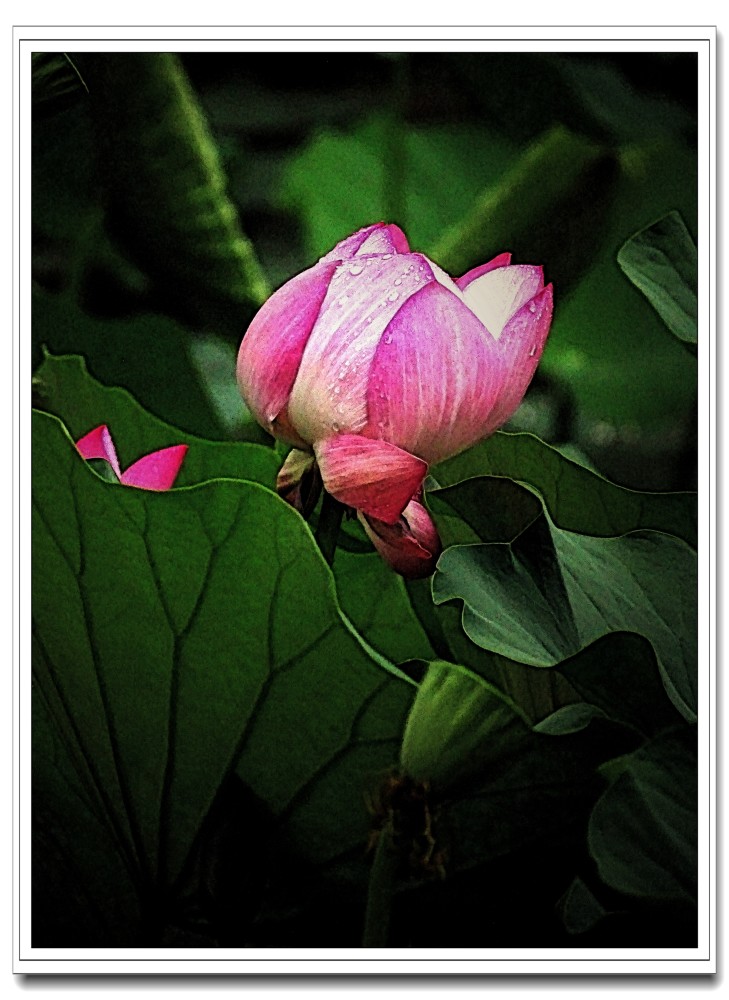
(388, 338)
(393, 296)
(335, 426)
(356, 269)
(532, 307)
(397, 281)
(533, 351)
(386, 256)
(337, 389)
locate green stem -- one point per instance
(380, 891)
(327, 530)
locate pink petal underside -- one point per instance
(521, 345)
(380, 238)
(435, 377)
(411, 546)
(372, 476)
(497, 295)
(156, 471)
(503, 260)
(330, 392)
(98, 444)
(272, 348)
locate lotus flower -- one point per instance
(375, 364)
(156, 471)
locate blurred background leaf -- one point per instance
(662, 262)
(164, 187)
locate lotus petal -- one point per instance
(157, 471)
(271, 351)
(411, 545)
(435, 377)
(98, 444)
(372, 476)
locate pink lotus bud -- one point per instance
(411, 545)
(156, 471)
(379, 364)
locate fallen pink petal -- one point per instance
(156, 471)
(98, 444)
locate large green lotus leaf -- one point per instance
(537, 692)
(617, 674)
(643, 831)
(550, 593)
(75, 842)
(576, 498)
(181, 635)
(662, 261)
(482, 510)
(376, 601)
(66, 389)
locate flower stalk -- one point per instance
(327, 530)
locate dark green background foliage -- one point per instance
(226, 730)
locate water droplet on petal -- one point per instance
(386, 256)
(335, 426)
(356, 269)
(533, 351)
(393, 296)
(388, 338)
(337, 389)
(532, 307)
(398, 281)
